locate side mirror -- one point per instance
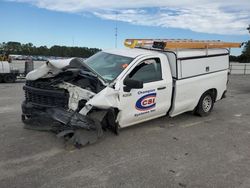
(132, 84)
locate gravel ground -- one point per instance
(185, 151)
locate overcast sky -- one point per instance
(92, 22)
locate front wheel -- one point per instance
(205, 104)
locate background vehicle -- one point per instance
(120, 88)
(7, 73)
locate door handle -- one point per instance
(161, 88)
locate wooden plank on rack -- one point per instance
(181, 44)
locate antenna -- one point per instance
(116, 30)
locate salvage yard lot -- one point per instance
(185, 151)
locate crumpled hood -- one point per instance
(50, 68)
(59, 64)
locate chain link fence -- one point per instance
(239, 68)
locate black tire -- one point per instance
(9, 78)
(110, 119)
(205, 105)
(1, 78)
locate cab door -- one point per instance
(151, 101)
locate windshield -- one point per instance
(108, 66)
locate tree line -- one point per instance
(245, 55)
(59, 51)
(84, 52)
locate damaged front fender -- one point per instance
(105, 99)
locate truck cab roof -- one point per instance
(133, 53)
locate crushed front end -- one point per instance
(57, 101)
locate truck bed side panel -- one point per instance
(188, 91)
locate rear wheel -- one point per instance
(205, 104)
(1, 78)
(9, 78)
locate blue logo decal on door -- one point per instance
(146, 102)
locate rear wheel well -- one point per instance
(213, 91)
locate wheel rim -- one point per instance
(207, 103)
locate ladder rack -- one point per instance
(165, 44)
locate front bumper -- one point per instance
(66, 117)
(28, 109)
(82, 129)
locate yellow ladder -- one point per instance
(179, 43)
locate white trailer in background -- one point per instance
(7, 73)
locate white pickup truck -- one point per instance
(122, 87)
